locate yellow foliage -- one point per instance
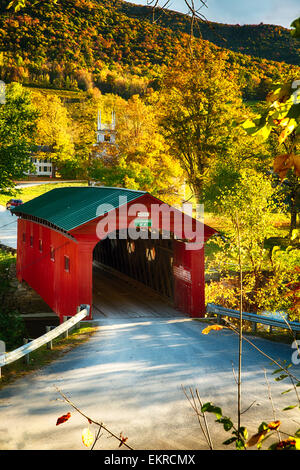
(212, 327)
(54, 126)
(87, 437)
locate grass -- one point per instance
(62, 94)
(28, 193)
(281, 222)
(44, 356)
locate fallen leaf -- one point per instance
(212, 327)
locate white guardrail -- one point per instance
(8, 358)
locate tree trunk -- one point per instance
(293, 224)
(295, 196)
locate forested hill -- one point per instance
(110, 44)
(267, 41)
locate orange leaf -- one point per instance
(212, 327)
(296, 161)
(274, 425)
(257, 438)
(281, 165)
(123, 439)
(63, 419)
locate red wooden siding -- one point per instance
(65, 290)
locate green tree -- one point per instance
(281, 119)
(18, 117)
(296, 28)
(249, 207)
(268, 273)
(225, 171)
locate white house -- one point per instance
(43, 166)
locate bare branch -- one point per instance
(101, 425)
(199, 414)
(272, 404)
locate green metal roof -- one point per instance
(70, 207)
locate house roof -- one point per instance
(70, 207)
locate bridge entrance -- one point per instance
(147, 261)
(138, 274)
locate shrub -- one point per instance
(12, 329)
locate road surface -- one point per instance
(130, 375)
(8, 228)
(8, 222)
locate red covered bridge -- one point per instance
(65, 232)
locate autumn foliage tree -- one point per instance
(141, 158)
(54, 129)
(200, 98)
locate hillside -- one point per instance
(266, 41)
(110, 44)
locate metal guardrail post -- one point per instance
(26, 358)
(49, 328)
(66, 335)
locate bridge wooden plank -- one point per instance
(113, 296)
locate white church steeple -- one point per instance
(106, 133)
(106, 137)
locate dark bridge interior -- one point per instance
(133, 277)
(146, 260)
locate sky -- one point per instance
(278, 12)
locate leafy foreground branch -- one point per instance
(239, 434)
(88, 438)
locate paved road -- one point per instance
(8, 228)
(129, 375)
(8, 222)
